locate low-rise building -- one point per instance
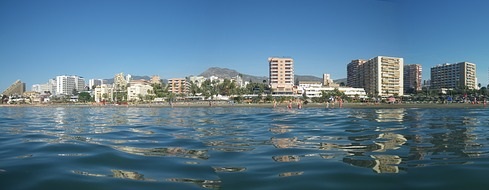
(315, 91)
(103, 93)
(138, 89)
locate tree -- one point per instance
(84, 97)
(74, 91)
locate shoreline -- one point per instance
(263, 105)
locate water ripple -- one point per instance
(241, 148)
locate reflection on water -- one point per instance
(208, 184)
(172, 151)
(237, 147)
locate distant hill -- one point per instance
(229, 73)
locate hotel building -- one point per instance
(281, 72)
(412, 77)
(458, 76)
(66, 84)
(379, 76)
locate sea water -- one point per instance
(243, 148)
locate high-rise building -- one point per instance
(379, 76)
(93, 83)
(458, 76)
(412, 77)
(177, 85)
(352, 76)
(281, 75)
(66, 85)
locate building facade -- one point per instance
(178, 86)
(352, 75)
(65, 85)
(412, 77)
(17, 88)
(104, 93)
(92, 83)
(138, 91)
(328, 82)
(379, 76)
(281, 75)
(458, 76)
(316, 91)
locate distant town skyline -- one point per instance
(169, 38)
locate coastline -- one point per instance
(265, 105)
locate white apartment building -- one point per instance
(50, 86)
(104, 92)
(379, 76)
(281, 75)
(66, 84)
(197, 80)
(459, 75)
(315, 91)
(137, 90)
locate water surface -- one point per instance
(242, 148)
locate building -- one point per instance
(281, 75)
(138, 90)
(92, 83)
(197, 80)
(47, 88)
(17, 88)
(458, 76)
(66, 85)
(327, 81)
(353, 78)
(120, 82)
(155, 79)
(412, 77)
(178, 86)
(103, 93)
(315, 91)
(379, 76)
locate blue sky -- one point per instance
(178, 38)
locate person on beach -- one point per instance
(289, 106)
(333, 100)
(274, 103)
(340, 101)
(299, 104)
